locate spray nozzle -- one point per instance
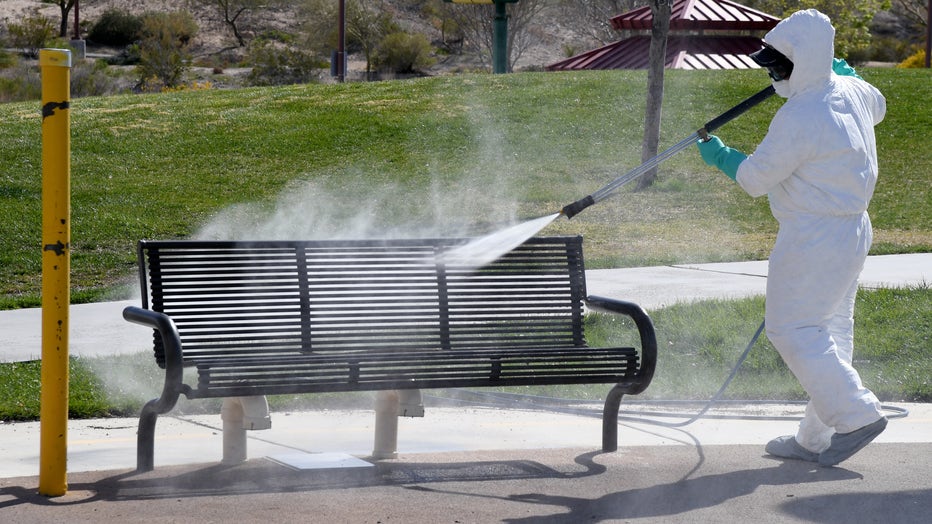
(573, 209)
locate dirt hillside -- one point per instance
(550, 36)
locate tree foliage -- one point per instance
(65, 7)
(116, 27)
(31, 33)
(277, 63)
(163, 49)
(366, 27)
(239, 15)
(404, 53)
(367, 23)
(916, 10)
(476, 23)
(592, 17)
(851, 18)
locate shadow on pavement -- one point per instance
(681, 496)
(669, 484)
(263, 476)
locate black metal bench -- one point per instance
(274, 317)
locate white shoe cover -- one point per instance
(846, 444)
(787, 447)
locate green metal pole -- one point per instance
(500, 40)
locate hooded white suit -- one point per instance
(818, 166)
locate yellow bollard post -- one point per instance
(55, 66)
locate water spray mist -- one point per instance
(484, 250)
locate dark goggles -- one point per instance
(779, 67)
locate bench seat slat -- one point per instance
(344, 387)
(415, 369)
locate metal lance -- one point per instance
(571, 210)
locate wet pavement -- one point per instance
(475, 465)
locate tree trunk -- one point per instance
(660, 26)
(65, 7)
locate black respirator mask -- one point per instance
(779, 67)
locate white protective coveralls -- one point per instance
(818, 166)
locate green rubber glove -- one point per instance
(841, 68)
(716, 154)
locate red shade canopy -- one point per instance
(693, 15)
(683, 52)
(693, 50)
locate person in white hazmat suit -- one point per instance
(818, 166)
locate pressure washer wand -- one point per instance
(573, 209)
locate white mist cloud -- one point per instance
(311, 211)
(355, 203)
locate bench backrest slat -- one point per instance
(300, 297)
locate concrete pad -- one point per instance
(303, 460)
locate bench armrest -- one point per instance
(645, 329)
(171, 341)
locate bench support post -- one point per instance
(386, 425)
(610, 419)
(238, 415)
(145, 437)
(389, 405)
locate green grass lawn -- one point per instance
(459, 155)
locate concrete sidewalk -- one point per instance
(656, 287)
(305, 438)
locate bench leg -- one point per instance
(234, 434)
(389, 405)
(386, 425)
(239, 414)
(145, 437)
(610, 419)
